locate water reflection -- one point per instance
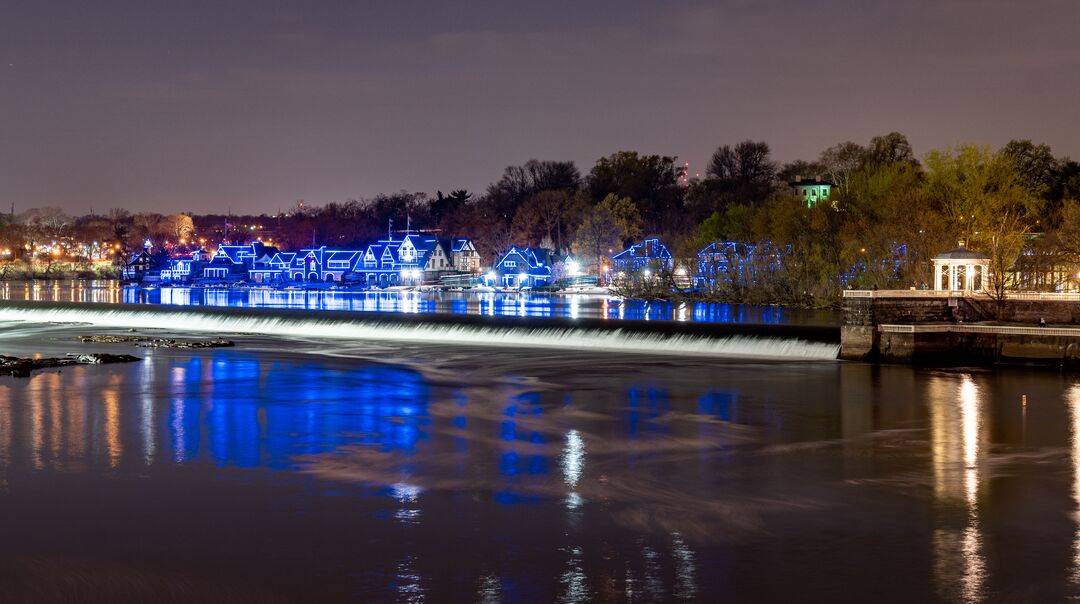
(1073, 402)
(957, 441)
(447, 475)
(512, 304)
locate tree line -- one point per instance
(889, 212)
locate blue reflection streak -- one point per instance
(251, 412)
(509, 304)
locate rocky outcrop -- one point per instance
(22, 367)
(150, 342)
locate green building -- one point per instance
(811, 190)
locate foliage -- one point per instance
(651, 181)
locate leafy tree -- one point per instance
(599, 235)
(1035, 163)
(651, 181)
(1066, 182)
(626, 215)
(892, 148)
(986, 202)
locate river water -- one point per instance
(506, 304)
(328, 469)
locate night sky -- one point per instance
(201, 106)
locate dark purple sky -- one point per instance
(171, 106)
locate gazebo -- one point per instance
(961, 270)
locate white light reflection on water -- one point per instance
(573, 579)
(408, 583)
(956, 427)
(572, 462)
(146, 425)
(685, 569)
(489, 591)
(1074, 441)
(179, 378)
(113, 445)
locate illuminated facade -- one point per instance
(412, 260)
(735, 264)
(650, 254)
(146, 266)
(811, 190)
(524, 267)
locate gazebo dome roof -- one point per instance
(961, 253)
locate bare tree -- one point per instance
(840, 161)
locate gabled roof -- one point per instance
(457, 245)
(649, 248)
(534, 256)
(341, 256)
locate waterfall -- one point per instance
(670, 339)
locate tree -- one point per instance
(1066, 181)
(651, 181)
(598, 236)
(178, 227)
(518, 183)
(626, 215)
(890, 229)
(986, 202)
(1035, 163)
(892, 148)
(748, 167)
(444, 206)
(840, 160)
(541, 217)
(799, 168)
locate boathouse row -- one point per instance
(414, 259)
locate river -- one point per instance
(507, 304)
(312, 468)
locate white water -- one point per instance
(569, 338)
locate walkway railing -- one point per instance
(995, 329)
(930, 293)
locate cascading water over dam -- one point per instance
(788, 342)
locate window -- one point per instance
(510, 263)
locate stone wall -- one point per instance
(861, 339)
(978, 349)
(900, 311)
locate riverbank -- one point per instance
(953, 328)
(15, 273)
